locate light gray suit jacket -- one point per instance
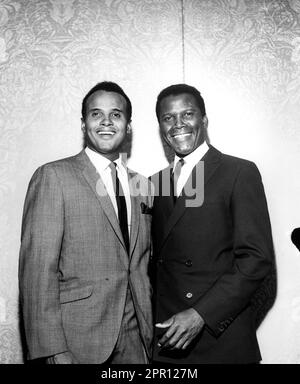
(74, 269)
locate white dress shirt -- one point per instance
(101, 163)
(189, 163)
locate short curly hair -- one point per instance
(107, 86)
(178, 89)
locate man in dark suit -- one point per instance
(212, 242)
(84, 285)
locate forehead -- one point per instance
(106, 100)
(178, 102)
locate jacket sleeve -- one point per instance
(253, 253)
(41, 242)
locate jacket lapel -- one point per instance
(211, 162)
(96, 184)
(135, 213)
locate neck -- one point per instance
(182, 155)
(109, 156)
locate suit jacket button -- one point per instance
(160, 261)
(189, 295)
(189, 263)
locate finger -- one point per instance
(169, 333)
(162, 325)
(177, 338)
(186, 344)
(165, 324)
(181, 341)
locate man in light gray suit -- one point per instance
(83, 272)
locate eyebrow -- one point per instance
(185, 110)
(118, 110)
(99, 109)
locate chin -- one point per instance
(184, 151)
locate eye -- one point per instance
(95, 114)
(188, 114)
(116, 115)
(167, 118)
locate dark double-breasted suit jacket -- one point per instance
(213, 258)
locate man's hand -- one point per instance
(62, 358)
(183, 328)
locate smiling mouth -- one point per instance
(105, 133)
(181, 135)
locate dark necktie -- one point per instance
(121, 204)
(174, 178)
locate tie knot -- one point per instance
(113, 165)
(176, 175)
(178, 166)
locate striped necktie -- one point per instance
(121, 204)
(175, 177)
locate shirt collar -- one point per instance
(101, 162)
(194, 157)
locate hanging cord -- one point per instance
(182, 41)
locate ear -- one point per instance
(83, 125)
(129, 128)
(205, 121)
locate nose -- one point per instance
(106, 121)
(178, 122)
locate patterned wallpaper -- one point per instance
(244, 55)
(253, 47)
